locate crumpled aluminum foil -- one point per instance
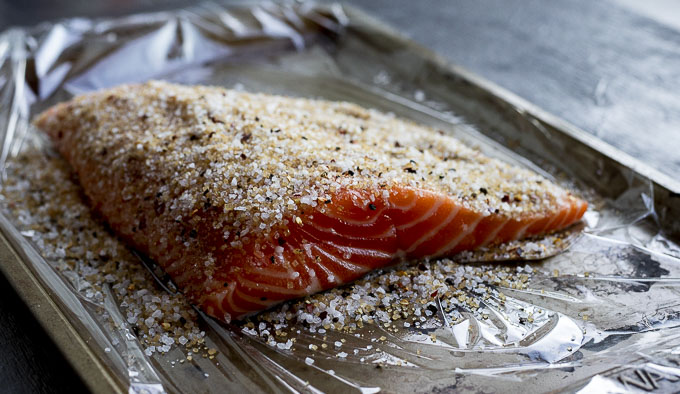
(605, 312)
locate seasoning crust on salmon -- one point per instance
(247, 200)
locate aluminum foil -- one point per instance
(605, 313)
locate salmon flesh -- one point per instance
(247, 200)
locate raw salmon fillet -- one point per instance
(248, 200)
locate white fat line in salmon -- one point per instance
(466, 230)
(427, 236)
(359, 251)
(390, 232)
(430, 212)
(352, 267)
(495, 232)
(330, 277)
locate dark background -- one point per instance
(609, 67)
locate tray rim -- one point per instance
(74, 344)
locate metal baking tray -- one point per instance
(611, 296)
